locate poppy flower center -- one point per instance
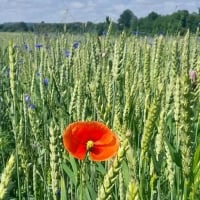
(89, 144)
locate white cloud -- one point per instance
(91, 3)
(76, 5)
(119, 7)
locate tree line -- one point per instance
(177, 22)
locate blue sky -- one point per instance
(86, 10)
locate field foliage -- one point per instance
(147, 90)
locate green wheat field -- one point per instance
(147, 90)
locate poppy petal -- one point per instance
(73, 142)
(77, 134)
(106, 151)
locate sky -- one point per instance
(65, 11)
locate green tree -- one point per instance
(153, 16)
(126, 20)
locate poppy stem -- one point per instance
(82, 178)
(83, 175)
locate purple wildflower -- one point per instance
(104, 33)
(38, 46)
(58, 194)
(25, 46)
(193, 75)
(76, 45)
(16, 46)
(27, 98)
(135, 33)
(37, 73)
(46, 82)
(67, 54)
(32, 106)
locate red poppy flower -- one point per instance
(93, 137)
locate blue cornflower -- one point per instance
(58, 193)
(67, 54)
(135, 33)
(38, 46)
(16, 46)
(25, 46)
(27, 98)
(46, 82)
(31, 106)
(76, 45)
(37, 73)
(104, 33)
